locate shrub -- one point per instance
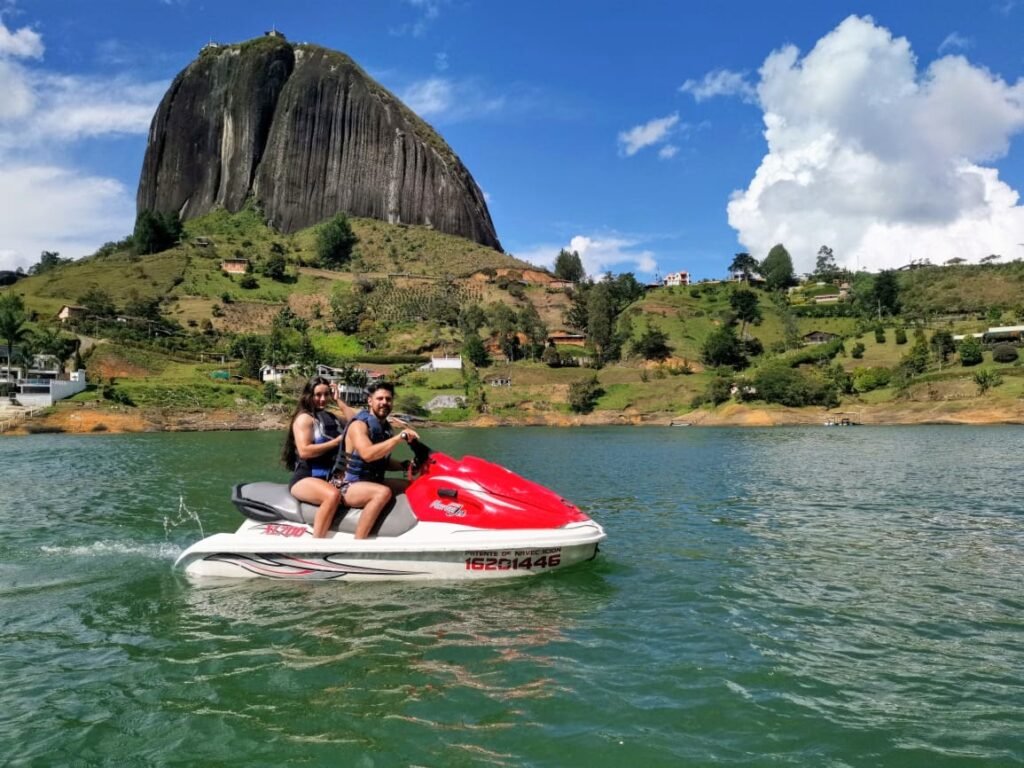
(335, 241)
(986, 379)
(718, 391)
(1004, 353)
(583, 394)
(858, 350)
(867, 379)
(249, 282)
(970, 351)
(901, 336)
(880, 335)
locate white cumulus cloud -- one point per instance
(49, 203)
(720, 82)
(599, 254)
(652, 132)
(879, 161)
(22, 44)
(441, 98)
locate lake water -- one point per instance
(806, 597)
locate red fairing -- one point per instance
(477, 493)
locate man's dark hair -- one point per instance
(387, 385)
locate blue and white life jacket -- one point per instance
(326, 427)
(356, 468)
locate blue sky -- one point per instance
(650, 136)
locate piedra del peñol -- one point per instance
(306, 133)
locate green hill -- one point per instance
(405, 294)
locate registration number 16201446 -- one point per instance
(515, 561)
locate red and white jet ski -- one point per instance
(459, 519)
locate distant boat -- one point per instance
(679, 423)
(843, 421)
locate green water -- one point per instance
(832, 597)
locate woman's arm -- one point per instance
(347, 410)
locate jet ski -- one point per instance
(458, 519)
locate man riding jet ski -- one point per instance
(451, 519)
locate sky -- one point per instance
(648, 136)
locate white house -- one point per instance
(276, 373)
(677, 278)
(42, 383)
(443, 364)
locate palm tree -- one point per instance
(12, 326)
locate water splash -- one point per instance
(107, 548)
(183, 515)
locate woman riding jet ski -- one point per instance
(456, 519)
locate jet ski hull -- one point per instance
(428, 552)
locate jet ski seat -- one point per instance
(272, 502)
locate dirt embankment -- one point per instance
(79, 418)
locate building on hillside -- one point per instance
(70, 312)
(499, 380)
(677, 278)
(443, 364)
(41, 382)
(1011, 333)
(819, 337)
(567, 338)
(276, 373)
(558, 284)
(235, 266)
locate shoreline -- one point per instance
(69, 419)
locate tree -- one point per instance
(723, 348)
(886, 292)
(306, 356)
(583, 394)
(652, 344)
(347, 309)
(569, 266)
(47, 261)
(601, 319)
(625, 289)
(12, 325)
(744, 265)
(97, 303)
(577, 315)
(248, 347)
(777, 269)
(275, 267)
(744, 303)
(942, 345)
(969, 351)
(49, 341)
(825, 267)
(155, 232)
(534, 329)
(335, 241)
(471, 318)
(473, 350)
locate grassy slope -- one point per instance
(190, 277)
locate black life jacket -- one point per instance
(355, 468)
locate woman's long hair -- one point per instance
(289, 455)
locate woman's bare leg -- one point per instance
(313, 490)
